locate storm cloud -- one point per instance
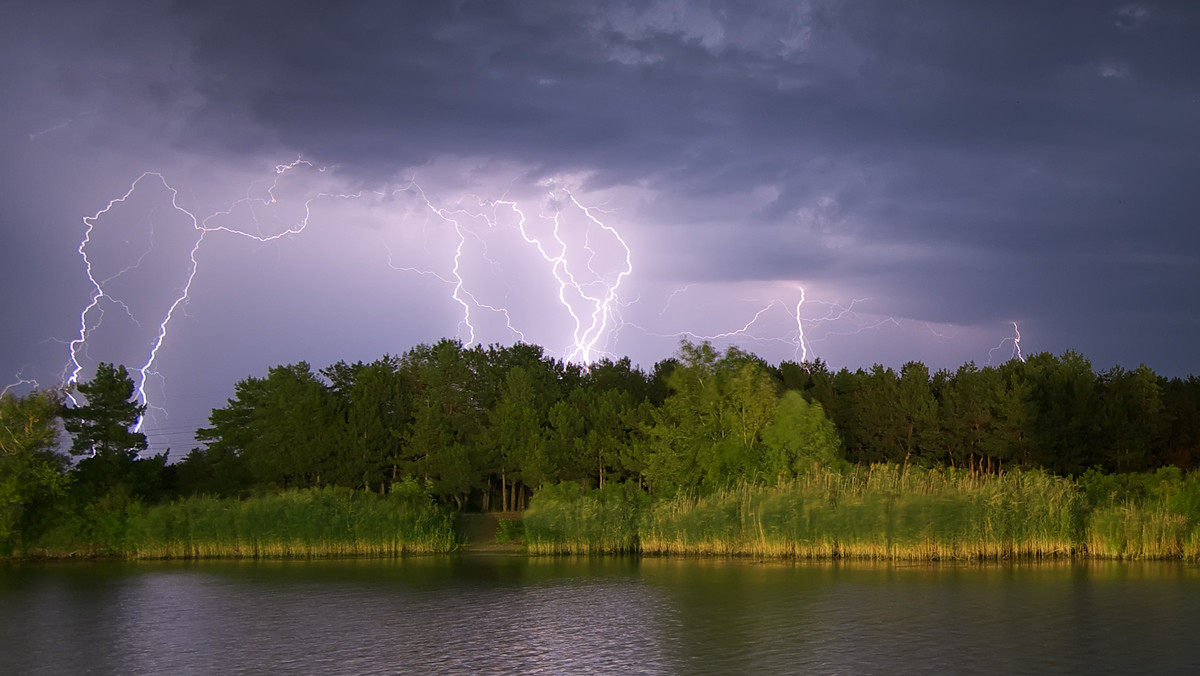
(940, 169)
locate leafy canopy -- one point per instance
(103, 427)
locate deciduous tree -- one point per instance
(32, 472)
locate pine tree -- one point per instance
(102, 427)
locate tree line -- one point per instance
(483, 428)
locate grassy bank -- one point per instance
(879, 512)
(330, 522)
(886, 512)
(882, 512)
(1143, 516)
(566, 519)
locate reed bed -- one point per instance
(566, 519)
(329, 522)
(1137, 532)
(882, 512)
(879, 512)
(1143, 516)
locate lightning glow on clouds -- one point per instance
(585, 261)
(543, 261)
(801, 179)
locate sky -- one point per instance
(203, 190)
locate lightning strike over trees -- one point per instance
(454, 427)
(576, 256)
(1016, 345)
(548, 265)
(105, 426)
(775, 268)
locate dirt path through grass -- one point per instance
(479, 532)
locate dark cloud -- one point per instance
(960, 164)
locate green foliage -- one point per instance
(96, 527)
(102, 427)
(509, 530)
(32, 473)
(568, 519)
(214, 471)
(515, 431)
(442, 443)
(282, 426)
(880, 512)
(798, 436)
(708, 432)
(1144, 515)
(300, 523)
(710, 451)
(374, 403)
(28, 423)
(476, 427)
(484, 428)
(1132, 419)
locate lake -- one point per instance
(503, 614)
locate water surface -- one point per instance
(510, 614)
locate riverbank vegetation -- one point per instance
(887, 512)
(707, 453)
(306, 523)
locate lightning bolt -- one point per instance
(670, 298)
(798, 338)
(37, 134)
(589, 327)
(20, 380)
(1016, 342)
(587, 287)
(91, 317)
(458, 219)
(588, 295)
(578, 257)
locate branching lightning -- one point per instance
(20, 380)
(91, 317)
(1016, 345)
(566, 249)
(676, 292)
(589, 296)
(589, 327)
(797, 338)
(586, 290)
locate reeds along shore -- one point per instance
(331, 522)
(881, 512)
(886, 512)
(566, 519)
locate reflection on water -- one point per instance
(500, 614)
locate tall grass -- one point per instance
(1143, 516)
(886, 512)
(877, 512)
(566, 519)
(329, 522)
(1139, 532)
